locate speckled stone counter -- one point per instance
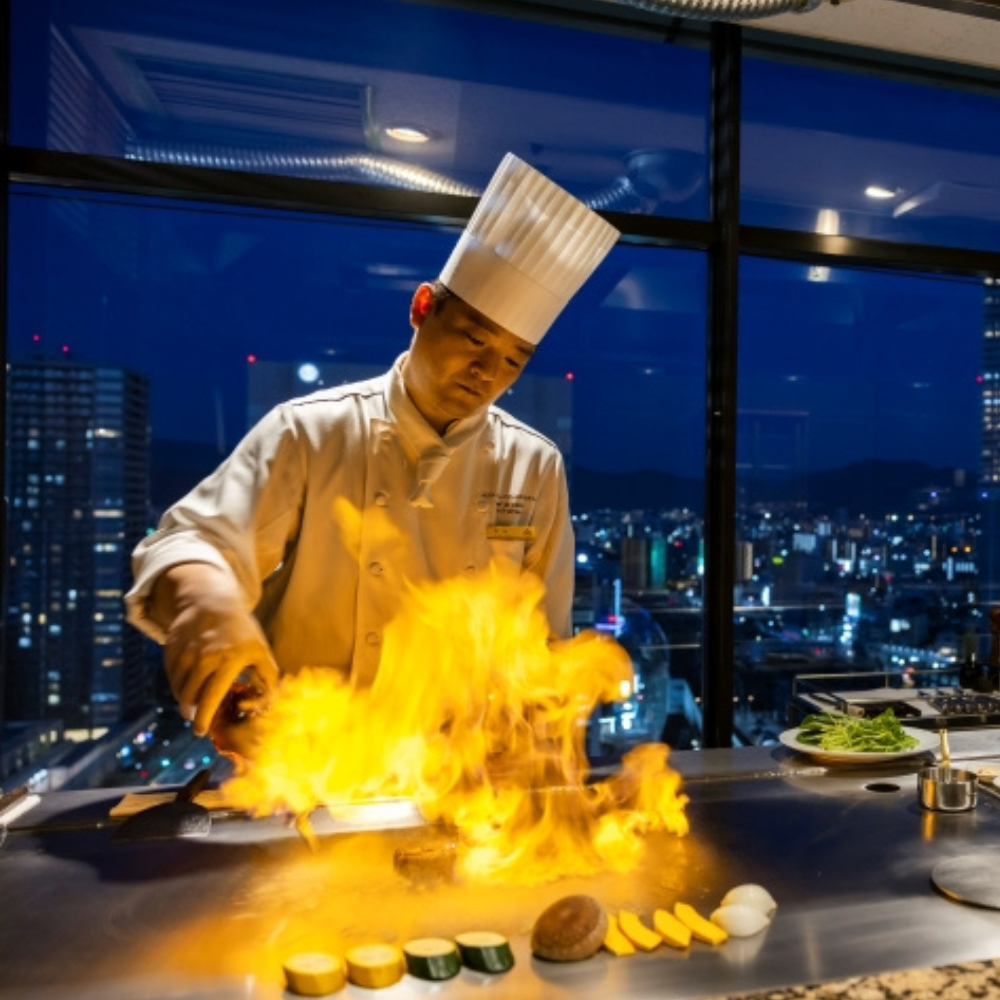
(965, 981)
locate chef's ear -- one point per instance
(422, 305)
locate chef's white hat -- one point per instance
(527, 249)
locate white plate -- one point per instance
(925, 741)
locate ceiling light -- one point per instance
(407, 133)
(877, 191)
(828, 222)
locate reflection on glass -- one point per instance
(341, 96)
(912, 168)
(861, 532)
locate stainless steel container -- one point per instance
(947, 789)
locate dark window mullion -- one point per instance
(720, 439)
(5, 88)
(856, 251)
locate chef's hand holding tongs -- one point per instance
(213, 643)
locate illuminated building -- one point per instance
(989, 545)
(991, 385)
(77, 481)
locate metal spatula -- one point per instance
(180, 817)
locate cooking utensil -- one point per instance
(181, 817)
(947, 789)
(945, 753)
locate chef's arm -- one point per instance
(551, 557)
(211, 638)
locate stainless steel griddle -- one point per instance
(848, 853)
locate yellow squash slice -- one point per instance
(643, 937)
(314, 974)
(702, 928)
(375, 965)
(673, 931)
(615, 941)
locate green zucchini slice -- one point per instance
(485, 951)
(432, 958)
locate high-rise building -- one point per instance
(991, 384)
(78, 487)
(988, 555)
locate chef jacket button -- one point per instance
(373, 638)
(375, 568)
(482, 505)
(381, 499)
(470, 570)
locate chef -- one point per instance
(299, 548)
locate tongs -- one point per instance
(945, 754)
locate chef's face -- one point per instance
(459, 360)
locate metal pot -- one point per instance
(947, 789)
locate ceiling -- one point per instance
(311, 95)
(961, 33)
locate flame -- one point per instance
(479, 720)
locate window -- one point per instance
(845, 153)
(859, 534)
(211, 214)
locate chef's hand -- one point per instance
(211, 639)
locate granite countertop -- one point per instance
(963, 981)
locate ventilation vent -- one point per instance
(244, 100)
(82, 118)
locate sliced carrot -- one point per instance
(643, 937)
(615, 941)
(673, 931)
(702, 928)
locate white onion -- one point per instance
(740, 920)
(755, 896)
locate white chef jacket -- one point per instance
(334, 503)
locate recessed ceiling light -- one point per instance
(407, 133)
(877, 191)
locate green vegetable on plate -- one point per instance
(830, 731)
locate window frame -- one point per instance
(722, 238)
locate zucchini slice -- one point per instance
(432, 958)
(314, 974)
(485, 951)
(374, 965)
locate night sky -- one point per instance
(874, 365)
(850, 366)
